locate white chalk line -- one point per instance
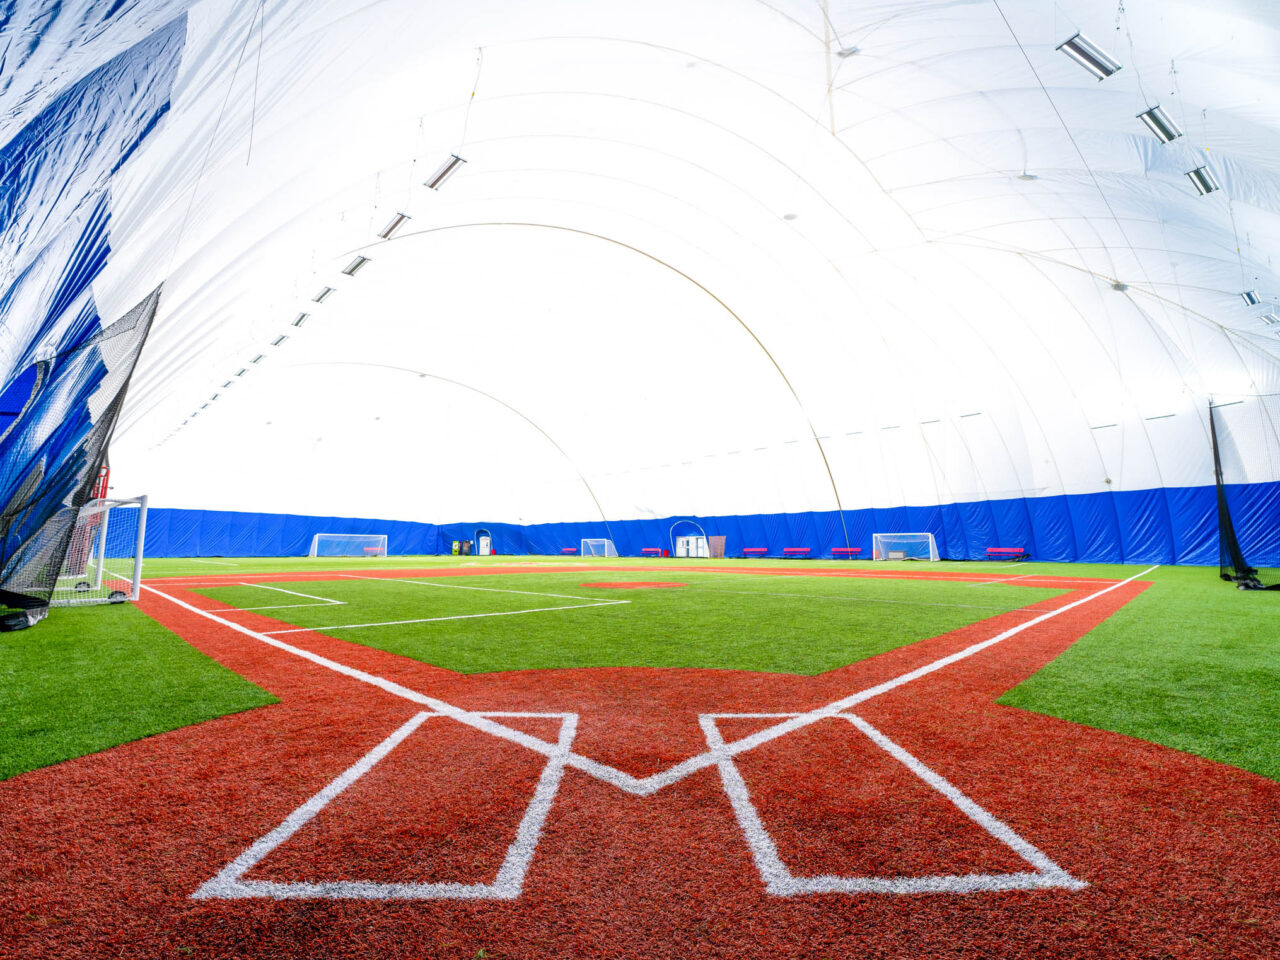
(780, 881)
(461, 586)
(777, 879)
(219, 563)
(645, 786)
(229, 885)
(460, 616)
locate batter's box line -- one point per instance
(229, 885)
(780, 881)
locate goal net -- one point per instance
(349, 545)
(598, 548)
(903, 546)
(103, 563)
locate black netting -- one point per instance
(58, 418)
(1245, 444)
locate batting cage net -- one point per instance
(57, 414)
(1246, 453)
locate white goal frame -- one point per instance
(587, 547)
(902, 546)
(370, 544)
(88, 575)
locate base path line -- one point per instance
(461, 616)
(652, 784)
(459, 586)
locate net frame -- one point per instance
(882, 543)
(103, 560)
(370, 544)
(587, 547)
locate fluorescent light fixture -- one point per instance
(1119, 286)
(324, 292)
(259, 358)
(1104, 426)
(446, 171)
(1251, 298)
(1204, 180)
(202, 406)
(354, 266)
(1161, 124)
(1163, 416)
(279, 340)
(227, 384)
(845, 52)
(1270, 319)
(1084, 52)
(300, 319)
(242, 371)
(396, 221)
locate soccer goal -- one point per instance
(349, 545)
(104, 560)
(903, 546)
(598, 548)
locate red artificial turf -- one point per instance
(101, 854)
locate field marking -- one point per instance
(461, 616)
(219, 563)
(324, 601)
(508, 883)
(816, 596)
(1025, 576)
(645, 786)
(781, 882)
(460, 586)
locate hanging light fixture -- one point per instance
(1161, 124)
(1251, 298)
(1090, 56)
(396, 221)
(1204, 180)
(446, 170)
(354, 266)
(324, 292)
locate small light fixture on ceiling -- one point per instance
(227, 384)
(1204, 180)
(1251, 298)
(1270, 319)
(279, 340)
(445, 172)
(202, 406)
(324, 292)
(214, 397)
(1090, 56)
(1161, 124)
(788, 216)
(1027, 176)
(847, 52)
(242, 371)
(396, 221)
(300, 319)
(1119, 287)
(354, 266)
(259, 358)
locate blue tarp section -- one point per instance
(1177, 525)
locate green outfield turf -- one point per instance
(541, 620)
(1191, 663)
(89, 678)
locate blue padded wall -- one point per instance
(1171, 525)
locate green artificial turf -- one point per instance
(1192, 663)
(90, 678)
(801, 625)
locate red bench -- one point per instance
(656, 551)
(754, 551)
(847, 552)
(795, 551)
(1007, 553)
(568, 549)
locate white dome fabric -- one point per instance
(721, 258)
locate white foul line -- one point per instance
(460, 586)
(652, 784)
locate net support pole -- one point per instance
(102, 549)
(137, 548)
